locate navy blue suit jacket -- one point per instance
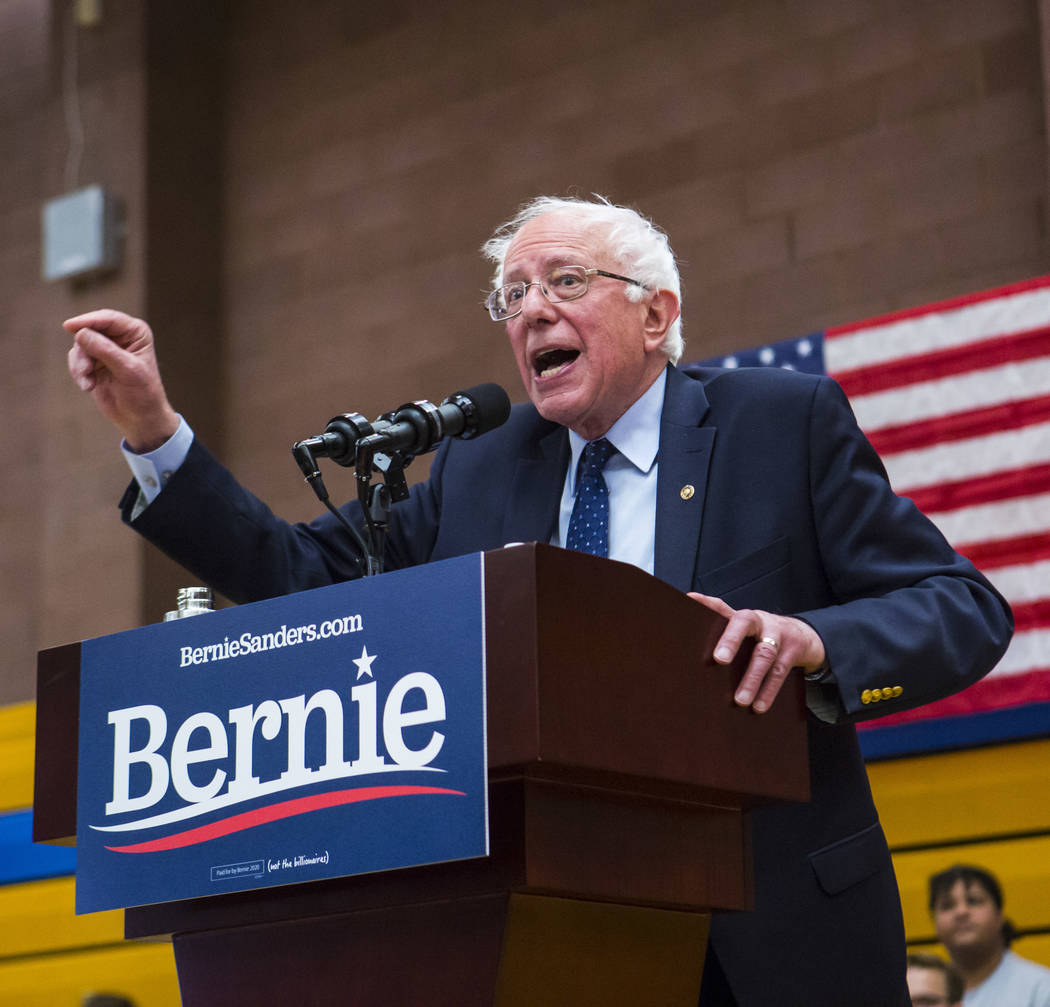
(791, 512)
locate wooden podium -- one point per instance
(621, 775)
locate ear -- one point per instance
(663, 310)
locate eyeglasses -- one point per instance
(563, 283)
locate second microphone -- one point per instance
(414, 428)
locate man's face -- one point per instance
(583, 362)
(928, 987)
(967, 919)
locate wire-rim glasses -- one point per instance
(562, 283)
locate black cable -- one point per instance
(354, 533)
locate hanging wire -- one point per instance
(71, 99)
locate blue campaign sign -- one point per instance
(333, 732)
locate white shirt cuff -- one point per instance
(153, 469)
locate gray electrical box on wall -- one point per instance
(81, 234)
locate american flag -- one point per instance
(955, 397)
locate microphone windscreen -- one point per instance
(491, 406)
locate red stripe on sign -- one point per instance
(952, 304)
(988, 694)
(950, 496)
(960, 426)
(1007, 551)
(285, 809)
(937, 364)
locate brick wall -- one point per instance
(814, 161)
(67, 569)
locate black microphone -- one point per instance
(413, 429)
(418, 427)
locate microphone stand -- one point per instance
(377, 499)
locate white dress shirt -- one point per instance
(631, 477)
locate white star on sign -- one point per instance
(364, 663)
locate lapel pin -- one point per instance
(687, 492)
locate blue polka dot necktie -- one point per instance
(589, 524)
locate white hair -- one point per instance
(639, 247)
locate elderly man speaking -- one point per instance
(792, 532)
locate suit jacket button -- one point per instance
(897, 690)
(865, 696)
(876, 695)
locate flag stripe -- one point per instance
(1009, 293)
(847, 348)
(1023, 582)
(1009, 553)
(965, 461)
(999, 521)
(960, 426)
(1027, 651)
(1032, 615)
(944, 363)
(953, 495)
(960, 393)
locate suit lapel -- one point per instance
(681, 485)
(533, 502)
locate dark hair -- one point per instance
(952, 977)
(968, 874)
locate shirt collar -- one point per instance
(636, 434)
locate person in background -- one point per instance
(933, 982)
(966, 904)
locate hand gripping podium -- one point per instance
(621, 776)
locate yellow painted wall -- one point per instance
(49, 956)
(988, 806)
(985, 806)
(17, 726)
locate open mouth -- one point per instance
(547, 363)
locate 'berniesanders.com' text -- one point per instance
(287, 636)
